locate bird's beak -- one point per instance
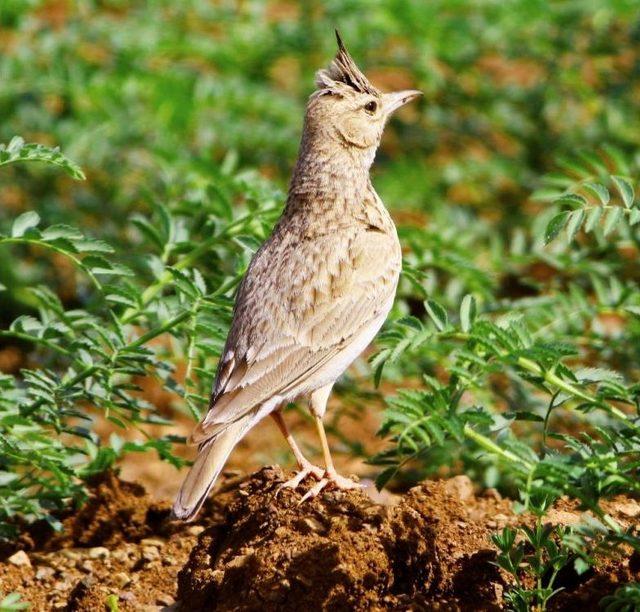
(393, 101)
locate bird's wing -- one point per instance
(301, 303)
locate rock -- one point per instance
(152, 542)
(195, 530)
(120, 555)
(70, 553)
(165, 600)
(460, 486)
(150, 553)
(121, 580)
(99, 552)
(21, 559)
(630, 509)
(61, 585)
(239, 561)
(127, 596)
(311, 525)
(44, 573)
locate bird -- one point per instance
(316, 292)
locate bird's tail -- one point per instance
(212, 455)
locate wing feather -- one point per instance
(299, 305)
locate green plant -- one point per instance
(112, 603)
(89, 357)
(535, 554)
(541, 565)
(12, 602)
(625, 599)
(539, 394)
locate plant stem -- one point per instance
(490, 446)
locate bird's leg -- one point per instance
(330, 473)
(305, 467)
(330, 477)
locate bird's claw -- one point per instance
(306, 470)
(332, 479)
(314, 490)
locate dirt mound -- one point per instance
(341, 551)
(253, 548)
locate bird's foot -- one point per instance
(332, 480)
(306, 469)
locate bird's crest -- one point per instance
(344, 70)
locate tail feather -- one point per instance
(211, 458)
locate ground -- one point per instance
(257, 548)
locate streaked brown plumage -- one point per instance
(316, 292)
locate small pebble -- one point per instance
(127, 596)
(69, 553)
(121, 580)
(120, 555)
(150, 553)
(43, 573)
(20, 559)
(631, 509)
(165, 600)
(152, 542)
(460, 486)
(313, 525)
(99, 552)
(195, 530)
(239, 561)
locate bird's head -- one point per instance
(347, 108)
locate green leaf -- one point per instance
(17, 151)
(625, 188)
(611, 221)
(148, 230)
(572, 199)
(437, 313)
(97, 264)
(573, 225)
(593, 217)
(467, 312)
(600, 191)
(24, 222)
(554, 227)
(54, 232)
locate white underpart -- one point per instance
(329, 373)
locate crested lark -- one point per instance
(316, 292)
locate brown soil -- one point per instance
(253, 548)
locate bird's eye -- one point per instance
(371, 107)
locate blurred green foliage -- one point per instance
(140, 91)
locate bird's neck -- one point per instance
(330, 179)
